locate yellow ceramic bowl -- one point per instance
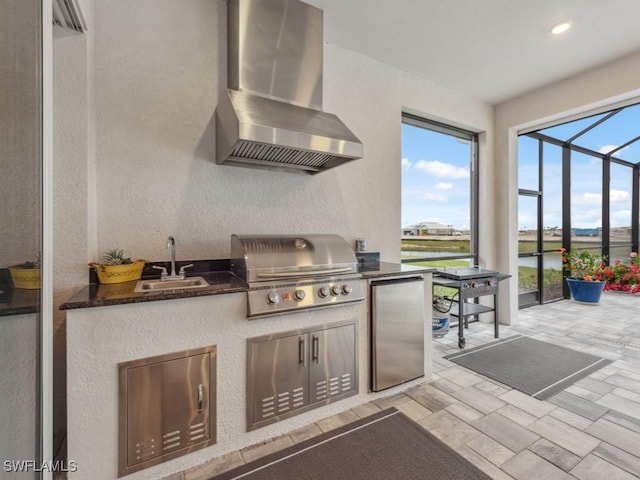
(119, 273)
(27, 278)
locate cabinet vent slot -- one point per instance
(284, 402)
(321, 390)
(346, 382)
(171, 440)
(298, 397)
(145, 449)
(197, 432)
(334, 386)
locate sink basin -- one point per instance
(161, 285)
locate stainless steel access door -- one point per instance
(166, 407)
(397, 332)
(278, 376)
(294, 371)
(332, 367)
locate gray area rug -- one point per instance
(537, 368)
(384, 446)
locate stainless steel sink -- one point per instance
(158, 285)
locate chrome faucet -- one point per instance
(171, 246)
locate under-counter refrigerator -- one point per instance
(397, 331)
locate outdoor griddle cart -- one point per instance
(470, 283)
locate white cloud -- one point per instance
(615, 196)
(620, 218)
(444, 186)
(442, 170)
(588, 199)
(619, 196)
(435, 197)
(406, 163)
(606, 148)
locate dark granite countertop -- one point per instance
(18, 301)
(388, 269)
(96, 295)
(215, 272)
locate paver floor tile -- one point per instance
(595, 468)
(564, 435)
(505, 431)
(448, 428)
(525, 402)
(529, 466)
(551, 452)
(620, 458)
(616, 435)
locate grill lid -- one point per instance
(263, 258)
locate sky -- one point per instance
(586, 172)
(435, 178)
(436, 174)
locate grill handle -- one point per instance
(307, 273)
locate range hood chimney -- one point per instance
(271, 114)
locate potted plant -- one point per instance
(26, 275)
(116, 267)
(583, 267)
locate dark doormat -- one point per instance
(383, 446)
(537, 368)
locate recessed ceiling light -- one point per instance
(561, 28)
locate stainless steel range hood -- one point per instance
(271, 115)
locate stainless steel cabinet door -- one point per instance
(333, 362)
(279, 376)
(167, 408)
(397, 332)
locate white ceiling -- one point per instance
(491, 50)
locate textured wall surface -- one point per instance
(18, 389)
(100, 338)
(20, 142)
(159, 69)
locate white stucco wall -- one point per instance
(18, 390)
(20, 134)
(599, 89)
(159, 68)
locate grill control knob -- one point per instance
(323, 292)
(273, 298)
(335, 290)
(298, 295)
(347, 289)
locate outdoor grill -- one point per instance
(291, 273)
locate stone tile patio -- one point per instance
(589, 431)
